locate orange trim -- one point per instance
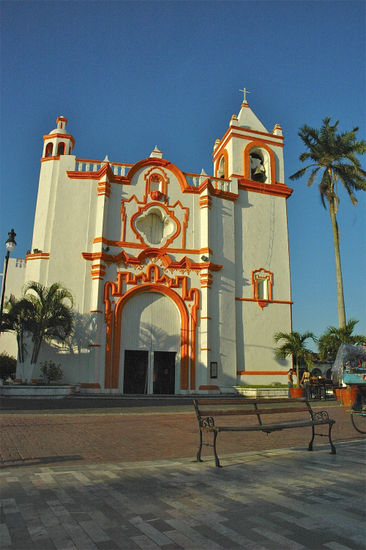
(277, 189)
(94, 346)
(153, 175)
(209, 388)
(231, 132)
(104, 170)
(170, 213)
(184, 264)
(104, 188)
(205, 349)
(246, 159)
(261, 372)
(38, 256)
(262, 273)
(90, 385)
(126, 244)
(95, 311)
(209, 318)
(288, 302)
(156, 162)
(155, 283)
(45, 159)
(98, 271)
(205, 280)
(118, 323)
(145, 205)
(205, 201)
(63, 136)
(212, 188)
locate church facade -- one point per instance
(181, 279)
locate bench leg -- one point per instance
(217, 462)
(333, 449)
(310, 447)
(199, 459)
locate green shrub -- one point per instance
(51, 372)
(8, 365)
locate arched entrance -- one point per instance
(150, 345)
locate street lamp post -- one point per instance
(10, 245)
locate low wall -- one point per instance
(262, 392)
(34, 392)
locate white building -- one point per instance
(184, 277)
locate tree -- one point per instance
(294, 345)
(333, 157)
(51, 317)
(330, 341)
(17, 318)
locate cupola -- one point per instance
(58, 142)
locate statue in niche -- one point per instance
(257, 169)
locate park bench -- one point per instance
(238, 414)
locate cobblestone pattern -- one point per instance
(264, 500)
(30, 439)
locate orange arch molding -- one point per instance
(226, 159)
(151, 161)
(258, 143)
(113, 355)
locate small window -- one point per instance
(262, 281)
(155, 182)
(262, 289)
(49, 150)
(61, 149)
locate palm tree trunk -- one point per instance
(340, 295)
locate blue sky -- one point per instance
(130, 75)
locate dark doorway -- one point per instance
(164, 372)
(135, 371)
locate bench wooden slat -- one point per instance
(244, 401)
(265, 427)
(251, 412)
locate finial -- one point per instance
(245, 92)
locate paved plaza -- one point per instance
(128, 480)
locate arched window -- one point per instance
(221, 169)
(49, 150)
(258, 170)
(61, 148)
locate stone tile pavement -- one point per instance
(271, 499)
(79, 480)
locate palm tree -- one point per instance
(330, 341)
(294, 345)
(333, 158)
(51, 318)
(17, 318)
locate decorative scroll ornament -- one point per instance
(320, 415)
(207, 422)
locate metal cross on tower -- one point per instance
(245, 92)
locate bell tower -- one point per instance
(251, 156)
(249, 152)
